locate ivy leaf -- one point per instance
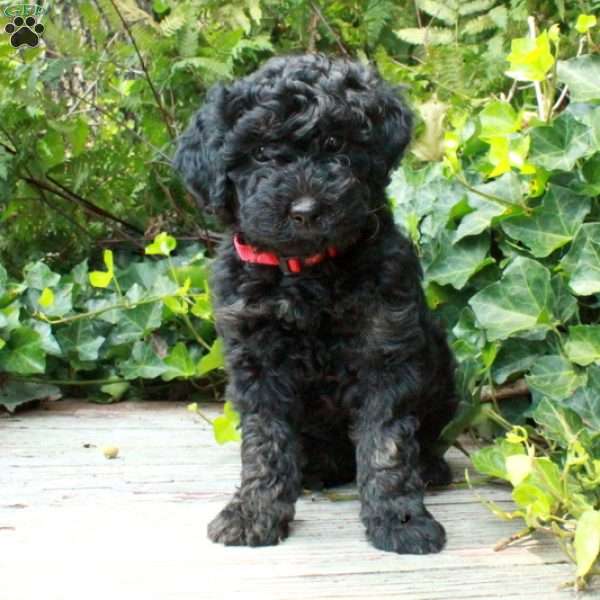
(163, 244)
(47, 339)
(582, 75)
(514, 357)
(136, 323)
(9, 315)
(455, 264)
(554, 377)
(179, 363)
(23, 353)
(213, 360)
(80, 339)
(565, 304)
(582, 262)
(558, 146)
(587, 541)
(143, 363)
(102, 279)
(116, 390)
(585, 400)
(583, 345)
(61, 300)
(530, 59)
(507, 187)
(521, 301)
(491, 460)
(537, 503)
(506, 152)
(104, 306)
(15, 393)
(547, 476)
(552, 225)
(202, 307)
(497, 119)
(39, 276)
(226, 426)
(518, 467)
(559, 423)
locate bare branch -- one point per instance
(510, 390)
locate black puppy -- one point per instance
(335, 365)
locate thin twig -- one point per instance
(161, 107)
(536, 84)
(323, 20)
(511, 92)
(312, 32)
(519, 535)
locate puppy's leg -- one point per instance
(388, 476)
(434, 469)
(263, 506)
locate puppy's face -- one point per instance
(297, 154)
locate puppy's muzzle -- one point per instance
(304, 211)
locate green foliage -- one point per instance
(508, 231)
(107, 330)
(554, 469)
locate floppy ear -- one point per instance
(199, 158)
(392, 128)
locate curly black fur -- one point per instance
(338, 372)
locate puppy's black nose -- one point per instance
(304, 210)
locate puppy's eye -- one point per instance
(259, 154)
(333, 144)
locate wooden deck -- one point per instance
(76, 526)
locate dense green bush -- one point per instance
(499, 194)
(508, 228)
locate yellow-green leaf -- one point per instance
(585, 23)
(46, 298)
(498, 118)
(176, 305)
(163, 244)
(102, 279)
(213, 360)
(587, 541)
(225, 426)
(530, 59)
(518, 466)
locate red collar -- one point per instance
(250, 254)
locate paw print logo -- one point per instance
(24, 31)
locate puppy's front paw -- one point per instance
(419, 534)
(235, 526)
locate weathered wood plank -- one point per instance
(76, 525)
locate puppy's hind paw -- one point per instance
(420, 534)
(233, 526)
(435, 471)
